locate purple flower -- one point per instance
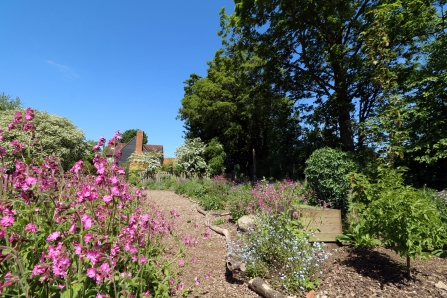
(72, 229)
(29, 114)
(7, 221)
(88, 237)
(107, 198)
(91, 272)
(53, 236)
(87, 221)
(31, 228)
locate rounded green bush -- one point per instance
(326, 171)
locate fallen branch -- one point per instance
(219, 230)
(260, 287)
(201, 211)
(233, 266)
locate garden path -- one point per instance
(348, 272)
(210, 253)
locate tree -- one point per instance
(215, 157)
(7, 103)
(190, 157)
(426, 114)
(130, 133)
(235, 104)
(336, 53)
(55, 135)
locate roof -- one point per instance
(157, 148)
(146, 147)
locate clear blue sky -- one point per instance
(108, 65)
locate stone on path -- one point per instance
(246, 223)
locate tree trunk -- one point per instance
(254, 167)
(343, 107)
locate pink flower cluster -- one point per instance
(93, 225)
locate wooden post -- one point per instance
(254, 167)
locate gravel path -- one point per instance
(348, 272)
(210, 253)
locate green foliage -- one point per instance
(219, 221)
(291, 264)
(8, 104)
(133, 176)
(341, 54)
(238, 199)
(57, 136)
(130, 133)
(237, 106)
(326, 171)
(215, 157)
(406, 220)
(193, 188)
(190, 157)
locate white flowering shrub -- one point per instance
(190, 157)
(52, 136)
(149, 162)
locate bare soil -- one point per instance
(348, 272)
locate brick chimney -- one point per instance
(139, 146)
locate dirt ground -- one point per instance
(348, 272)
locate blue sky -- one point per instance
(108, 65)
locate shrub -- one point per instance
(215, 157)
(326, 171)
(238, 199)
(50, 135)
(405, 219)
(291, 264)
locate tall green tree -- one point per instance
(426, 113)
(235, 104)
(339, 54)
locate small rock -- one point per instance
(441, 285)
(246, 223)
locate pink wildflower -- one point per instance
(91, 272)
(180, 286)
(196, 280)
(208, 276)
(29, 114)
(53, 236)
(107, 198)
(31, 228)
(86, 221)
(181, 262)
(7, 221)
(174, 213)
(143, 260)
(72, 229)
(88, 237)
